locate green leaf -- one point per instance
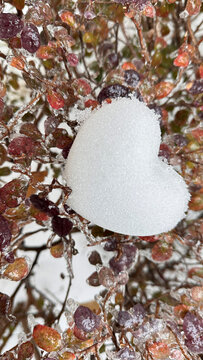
(99, 77)
(4, 171)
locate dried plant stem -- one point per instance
(83, 58)
(181, 348)
(65, 300)
(24, 110)
(193, 38)
(143, 45)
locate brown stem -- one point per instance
(65, 300)
(143, 45)
(193, 38)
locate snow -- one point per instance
(117, 179)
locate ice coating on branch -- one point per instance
(145, 331)
(117, 179)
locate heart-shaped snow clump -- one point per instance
(117, 179)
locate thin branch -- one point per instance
(83, 58)
(65, 300)
(143, 45)
(193, 38)
(24, 280)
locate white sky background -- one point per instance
(47, 273)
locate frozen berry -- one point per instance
(85, 319)
(113, 91)
(132, 77)
(125, 319)
(44, 205)
(10, 25)
(61, 226)
(30, 38)
(124, 261)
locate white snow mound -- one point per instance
(117, 179)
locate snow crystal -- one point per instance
(184, 14)
(117, 179)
